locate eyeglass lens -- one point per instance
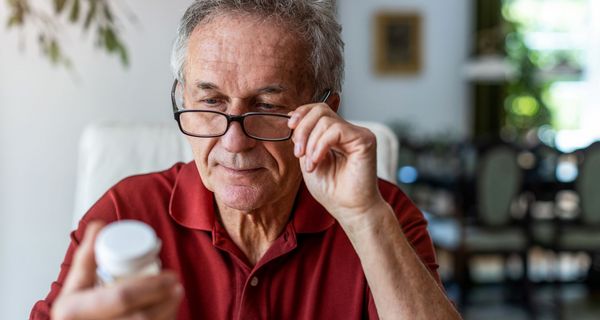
(212, 124)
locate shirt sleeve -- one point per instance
(104, 210)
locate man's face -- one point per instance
(237, 65)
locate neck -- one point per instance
(255, 231)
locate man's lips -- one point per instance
(239, 170)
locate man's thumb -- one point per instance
(83, 267)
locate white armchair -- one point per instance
(109, 152)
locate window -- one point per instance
(563, 37)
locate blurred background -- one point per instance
(494, 103)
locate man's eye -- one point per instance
(210, 101)
(267, 107)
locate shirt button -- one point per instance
(254, 281)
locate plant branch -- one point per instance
(86, 14)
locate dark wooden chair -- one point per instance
(582, 234)
(492, 229)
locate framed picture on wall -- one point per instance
(397, 43)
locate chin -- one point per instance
(242, 198)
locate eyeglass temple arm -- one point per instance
(326, 96)
(173, 88)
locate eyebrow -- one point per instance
(207, 86)
(270, 89)
(277, 88)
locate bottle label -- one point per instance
(105, 278)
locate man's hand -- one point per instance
(155, 297)
(338, 161)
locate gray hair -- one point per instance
(314, 20)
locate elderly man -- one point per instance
(280, 215)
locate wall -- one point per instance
(43, 110)
(432, 102)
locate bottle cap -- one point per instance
(126, 246)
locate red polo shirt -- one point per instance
(310, 272)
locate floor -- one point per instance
(491, 299)
(490, 303)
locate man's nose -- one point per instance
(235, 140)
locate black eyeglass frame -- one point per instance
(231, 118)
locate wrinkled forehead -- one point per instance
(246, 44)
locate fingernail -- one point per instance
(297, 149)
(294, 119)
(178, 290)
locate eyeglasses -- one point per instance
(262, 126)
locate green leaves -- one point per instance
(87, 14)
(107, 14)
(14, 20)
(19, 11)
(90, 14)
(51, 48)
(59, 5)
(111, 42)
(74, 16)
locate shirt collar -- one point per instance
(192, 205)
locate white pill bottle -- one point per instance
(125, 249)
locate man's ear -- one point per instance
(334, 101)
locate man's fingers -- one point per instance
(303, 122)
(340, 137)
(297, 115)
(166, 310)
(120, 299)
(314, 137)
(82, 273)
